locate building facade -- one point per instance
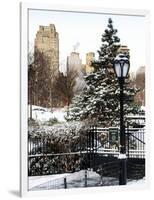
(124, 50)
(140, 83)
(90, 56)
(47, 41)
(75, 71)
(74, 63)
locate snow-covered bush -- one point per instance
(56, 139)
(33, 123)
(52, 121)
(53, 165)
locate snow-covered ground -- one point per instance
(136, 182)
(35, 181)
(45, 114)
(74, 180)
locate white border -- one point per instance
(23, 100)
(24, 7)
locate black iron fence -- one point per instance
(106, 141)
(48, 155)
(135, 142)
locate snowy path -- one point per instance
(75, 180)
(38, 180)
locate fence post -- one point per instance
(85, 178)
(65, 183)
(101, 175)
(128, 144)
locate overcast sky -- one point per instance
(86, 29)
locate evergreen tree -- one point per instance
(99, 100)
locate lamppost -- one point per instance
(121, 68)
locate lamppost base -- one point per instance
(123, 171)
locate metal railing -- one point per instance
(135, 142)
(46, 158)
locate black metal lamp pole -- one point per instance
(123, 166)
(121, 68)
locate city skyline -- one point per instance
(81, 32)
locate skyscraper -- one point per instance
(74, 62)
(47, 41)
(124, 49)
(75, 71)
(140, 83)
(90, 56)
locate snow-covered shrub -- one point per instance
(33, 123)
(56, 139)
(53, 165)
(64, 136)
(52, 121)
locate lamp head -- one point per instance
(121, 66)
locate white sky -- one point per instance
(86, 29)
